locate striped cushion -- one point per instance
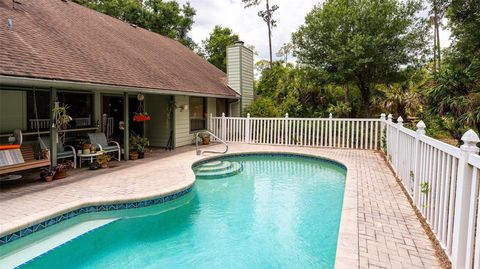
(10, 156)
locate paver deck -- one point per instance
(379, 227)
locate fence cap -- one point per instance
(382, 116)
(470, 139)
(421, 125)
(400, 119)
(390, 116)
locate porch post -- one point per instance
(97, 110)
(126, 131)
(53, 129)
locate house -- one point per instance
(104, 70)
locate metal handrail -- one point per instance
(201, 152)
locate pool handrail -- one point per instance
(201, 152)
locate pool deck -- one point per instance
(379, 228)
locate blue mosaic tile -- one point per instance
(267, 154)
(88, 209)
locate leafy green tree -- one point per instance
(340, 109)
(455, 93)
(167, 18)
(214, 47)
(363, 42)
(263, 107)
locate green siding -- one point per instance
(182, 122)
(240, 76)
(211, 109)
(247, 77)
(13, 110)
(158, 128)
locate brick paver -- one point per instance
(384, 231)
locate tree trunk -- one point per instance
(439, 56)
(346, 89)
(365, 93)
(269, 20)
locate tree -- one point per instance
(266, 15)
(263, 107)
(455, 93)
(214, 47)
(437, 12)
(167, 18)
(364, 42)
(284, 51)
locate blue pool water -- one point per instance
(277, 212)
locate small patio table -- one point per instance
(82, 157)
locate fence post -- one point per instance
(287, 133)
(247, 129)
(397, 142)
(382, 130)
(389, 137)
(417, 161)
(224, 128)
(330, 125)
(462, 199)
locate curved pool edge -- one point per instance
(93, 207)
(347, 253)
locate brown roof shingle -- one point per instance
(53, 39)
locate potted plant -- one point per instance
(61, 119)
(205, 139)
(60, 171)
(45, 154)
(139, 144)
(133, 155)
(103, 160)
(141, 116)
(47, 174)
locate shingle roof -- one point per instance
(53, 39)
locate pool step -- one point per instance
(218, 169)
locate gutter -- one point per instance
(72, 85)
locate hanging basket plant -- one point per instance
(139, 117)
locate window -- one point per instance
(79, 107)
(198, 113)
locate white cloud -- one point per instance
(251, 28)
(245, 22)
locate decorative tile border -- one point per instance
(271, 154)
(90, 209)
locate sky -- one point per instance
(251, 28)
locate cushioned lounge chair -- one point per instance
(100, 140)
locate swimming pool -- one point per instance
(256, 211)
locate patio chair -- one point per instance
(100, 140)
(63, 151)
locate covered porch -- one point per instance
(173, 120)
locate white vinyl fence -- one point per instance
(443, 181)
(311, 132)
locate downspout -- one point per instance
(230, 107)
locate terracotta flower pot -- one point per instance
(133, 156)
(60, 174)
(104, 165)
(48, 178)
(206, 140)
